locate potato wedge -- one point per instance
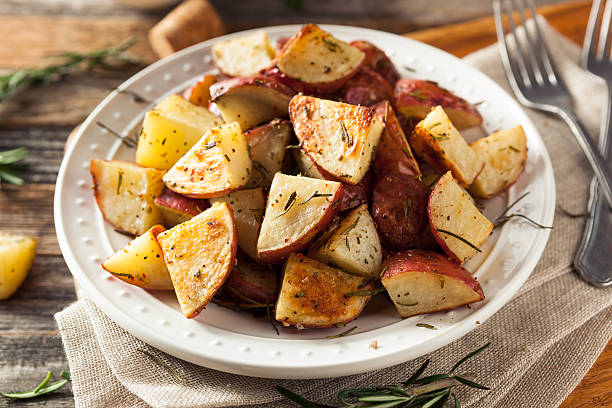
(441, 145)
(251, 100)
(415, 98)
(353, 247)
(199, 93)
(125, 193)
(248, 207)
(425, 282)
(218, 164)
(200, 254)
(393, 153)
(245, 55)
(451, 209)
(318, 60)
(176, 208)
(505, 154)
(170, 130)
(366, 88)
(141, 262)
(267, 144)
(339, 137)
(377, 61)
(253, 281)
(313, 294)
(298, 209)
(17, 254)
(399, 209)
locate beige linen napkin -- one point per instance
(544, 340)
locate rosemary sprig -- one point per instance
(22, 79)
(10, 166)
(460, 238)
(365, 292)
(316, 194)
(43, 388)
(344, 333)
(288, 205)
(415, 392)
(162, 364)
(505, 217)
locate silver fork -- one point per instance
(593, 257)
(537, 84)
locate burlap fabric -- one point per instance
(544, 340)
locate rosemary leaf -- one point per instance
(316, 194)
(460, 238)
(10, 166)
(365, 292)
(301, 401)
(163, 364)
(344, 333)
(466, 358)
(427, 326)
(43, 383)
(470, 383)
(288, 205)
(43, 388)
(416, 374)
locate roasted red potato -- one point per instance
(268, 146)
(200, 254)
(393, 153)
(377, 61)
(199, 93)
(316, 295)
(177, 208)
(399, 209)
(425, 282)
(414, 98)
(245, 55)
(318, 60)
(251, 100)
(456, 223)
(252, 281)
(366, 88)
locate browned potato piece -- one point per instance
(339, 137)
(440, 144)
(298, 209)
(218, 164)
(415, 98)
(366, 88)
(253, 281)
(199, 93)
(267, 144)
(378, 61)
(399, 209)
(200, 254)
(245, 55)
(141, 262)
(451, 209)
(425, 282)
(393, 153)
(315, 295)
(177, 208)
(125, 193)
(505, 154)
(318, 60)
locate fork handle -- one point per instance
(592, 260)
(592, 153)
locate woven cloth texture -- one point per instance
(543, 341)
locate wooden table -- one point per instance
(41, 120)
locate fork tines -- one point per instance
(595, 51)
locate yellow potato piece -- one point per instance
(16, 257)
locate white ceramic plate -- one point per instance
(238, 343)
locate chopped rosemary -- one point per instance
(427, 326)
(406, 152)
(332, 46)
(505, 217)
(126, 275)
(364, 283)
(300, 294)
(43, 388)
(119, 182)
(162, 363)
(316, 194)
(9, 166)
(345, 135)
(407, 68)
(129, 141)
(514, 149)
(288, 205)
(344, 333)
(259, 167)
(365, 292)
(297, 146)
(423, 392)
(417, 93)
(460, 238)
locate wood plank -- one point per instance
(464, 38)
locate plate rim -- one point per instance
(276, 369)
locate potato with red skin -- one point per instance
(414, 98)
(256, 282)
(378, 61)
(199, 93)
(177, 208)
(399, 209)
(366, 88)
(393, 153)
(425, 282)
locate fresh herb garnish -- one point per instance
(427, 326)
(43, 388)
(505, 217)
(9, 166)
(345, 135)
(119, 182)
(126, 275)
(514, 149)
(365, 292)
(129, 141)
(288, 205)
(416, 392)
(332, 46)
(162, 364)
(22, 79)
(344, 333)
(460, 238)
(316, 194)
(300, 294)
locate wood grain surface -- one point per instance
(41, 120)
